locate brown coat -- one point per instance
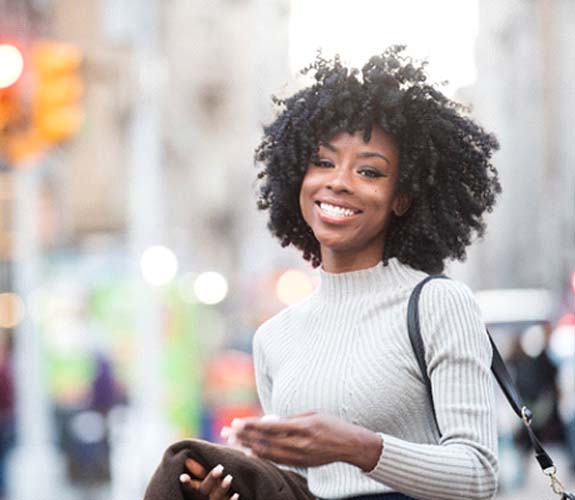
(254, 479)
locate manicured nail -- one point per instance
(217, 470)
(235, 496)
(270, 418)
(227, 481)
(184, 478)
(238, 424)
(226, 432)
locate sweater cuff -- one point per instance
(392, 459)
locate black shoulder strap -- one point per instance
(497, 367)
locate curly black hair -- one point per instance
(445, 157)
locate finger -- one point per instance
(286, 455)
(189, 484)
(212, 480)
(310, 413)
(195, 468)
(253, 430)
(270, 426)
(221, 491)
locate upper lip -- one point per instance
(338, 203)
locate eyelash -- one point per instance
(366, 172)
(323, 163)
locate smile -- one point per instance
(335, 211)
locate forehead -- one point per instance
(379, 140)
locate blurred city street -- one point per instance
(135, 266)
(536, 485)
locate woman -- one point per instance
(378, 178)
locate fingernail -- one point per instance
(238, 423)
(217, 470)
(226, 432)
(227, 481)
(184, 478)
(270, 418)
(235, 496)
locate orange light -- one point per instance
(58, 113)
(25, 146)
(11, 65)
(292, 286)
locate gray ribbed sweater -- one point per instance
(345, 351)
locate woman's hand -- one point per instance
(213, 484)
(308, 440)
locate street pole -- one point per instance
(36, 467)
(138, 447)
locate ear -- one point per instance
(401, 204)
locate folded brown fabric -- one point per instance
(254, 479)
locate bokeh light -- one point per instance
(533, 341)
(11, 65)
(159, 265)
(211, 287)
(12, 310)
(292, 286)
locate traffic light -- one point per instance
(11, 69)
(57, 112)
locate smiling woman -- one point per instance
(348, 196)
(378, 178)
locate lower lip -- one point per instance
(331, 219)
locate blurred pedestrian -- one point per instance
(378, 178)
(536, 377)
(567, 406)
(564, 339)
(105, 391)
(7, 428)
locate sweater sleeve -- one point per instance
(263, 378)
(458, 356)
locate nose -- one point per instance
(340, 180)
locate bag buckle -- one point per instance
(555, 484)
(526, 416)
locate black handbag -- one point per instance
(501, 375)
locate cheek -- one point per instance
(305, 201)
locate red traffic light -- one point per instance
(11, 65)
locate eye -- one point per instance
(323, 163)
(371, 173)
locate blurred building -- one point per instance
(202, 73)
(525, 94)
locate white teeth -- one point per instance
(336, 211)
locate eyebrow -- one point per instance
(366, 154)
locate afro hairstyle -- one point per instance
(444, 167)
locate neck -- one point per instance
(343, 262)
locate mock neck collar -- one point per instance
(353, 283)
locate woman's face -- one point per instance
(348, 197)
